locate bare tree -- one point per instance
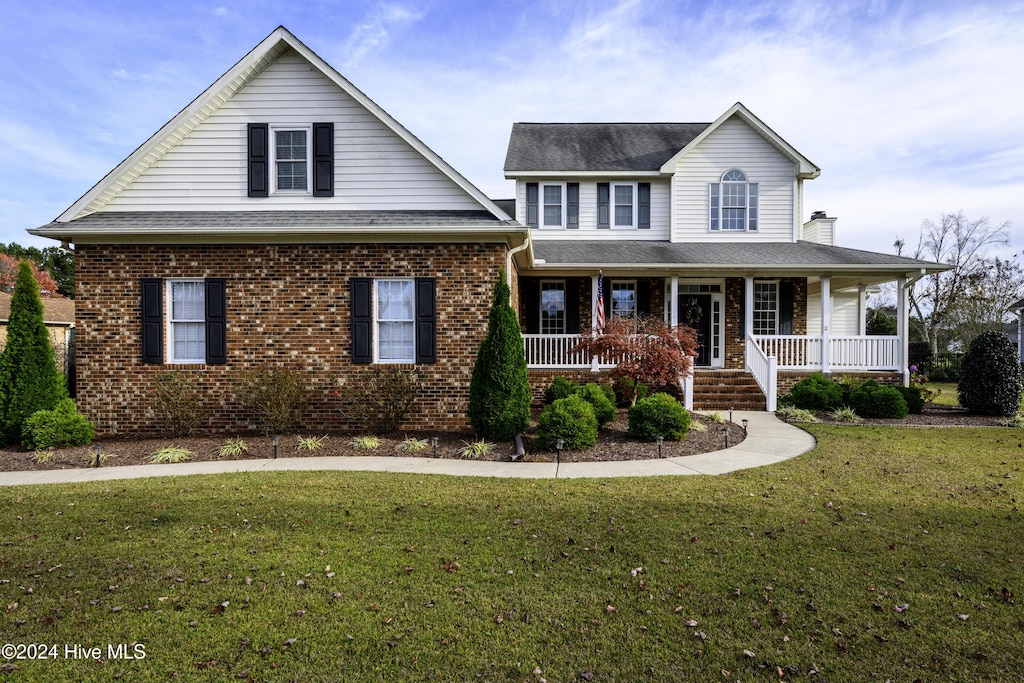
(962, 243)
(986, 302)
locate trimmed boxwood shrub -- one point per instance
(571, 419)
(912, 395)
(58, 428)
(871, 399)
(604, 410)
(816, 392)
(560, 387)
(990, 376)
(658, 415)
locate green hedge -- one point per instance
(658, 415)
(571, 419)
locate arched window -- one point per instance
(733, 203)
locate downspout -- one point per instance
(508, 259)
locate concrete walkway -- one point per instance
(769, 440)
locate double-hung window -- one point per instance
(396, 321)
(766, 308)
(624, 299)
(187, 320)
(552, 307)
(733, 203)
(291, 160)
(624, 205)
(188, 316)
(553, 198)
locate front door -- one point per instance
(695, 312)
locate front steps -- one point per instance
(720, 389)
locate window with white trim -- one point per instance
(624, 298)
(733, 203)
(552, 307)
(624, 205)
(395, 302)
(553, 205)
(291, 160)
(186, 320)
(766, 308)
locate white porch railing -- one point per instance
(555, 351)
(845, 353)
(765, 370)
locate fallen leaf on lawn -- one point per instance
(963, 617)
(691, 622)
(901, 608)
(290, 642)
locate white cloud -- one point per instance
(375, 33)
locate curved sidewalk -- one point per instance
(769, 440)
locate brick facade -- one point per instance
(287, 305)
(735, 340)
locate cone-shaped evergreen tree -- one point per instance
(499, 392)
(29, 380)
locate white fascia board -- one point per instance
(222, 89)
(518, 175)
(805, 168)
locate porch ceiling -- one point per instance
(725, 258)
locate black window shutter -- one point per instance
(323, 159)
(572, 206)
(643, 298)
(426, 320)
(152, 320)
(643, 205)
(603, 206)
(259, 159)
(572, 305)
(532, 192)
(216, 321)
(362, 320)
(785, 308)
(529, 303)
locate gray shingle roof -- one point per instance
(771, 254)
(176, 220)
(596, 146)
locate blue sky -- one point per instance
(911, 109)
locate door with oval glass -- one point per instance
(695, 312)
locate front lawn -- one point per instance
(886, 553)
(946, 394)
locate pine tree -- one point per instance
(29, 380)
(499, 392)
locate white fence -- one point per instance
(845, 353)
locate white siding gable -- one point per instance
(374, 169)
(734, 144)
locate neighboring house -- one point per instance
(282, 217)
(699, 224)
(59, 319)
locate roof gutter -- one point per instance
(508, 259)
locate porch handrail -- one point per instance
(853, 352)
(765, 370)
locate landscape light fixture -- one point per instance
(433, 443)
(98, 450)
(725, 431)
(730, 413)
(275, 439)
(744, 426)
(559, 445)
(660, 439)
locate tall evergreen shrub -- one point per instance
(29, 380)
(499, 391)
(990, 376)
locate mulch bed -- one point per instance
(613, 444)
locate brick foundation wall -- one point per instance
(287, 305)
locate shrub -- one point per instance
(794, 414)
(411, 445)
(628, 391)
(310, 443)
(914, 398)
(816, 392)
(871, 399)
(560, 387)
(176, 400)
(845, 414)
(475, 449)
(232, 448)
(170, 454)
(571, 419)
(499, 390)
(990, 376)
(29, 379)
(658, 415)
(384, 398)
(276, 396)
(58, 428)
(604, 410)
(366, 443)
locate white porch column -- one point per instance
(826, 324)
(903, 327)
(748, 316)
(673, 305)
(862, 310)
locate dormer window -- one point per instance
(733, 203)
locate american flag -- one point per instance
(599, 314)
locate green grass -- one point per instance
(946, 394)
(387, 577)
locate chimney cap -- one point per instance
(815, 215)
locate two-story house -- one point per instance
(699, 223)
(284, 218)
